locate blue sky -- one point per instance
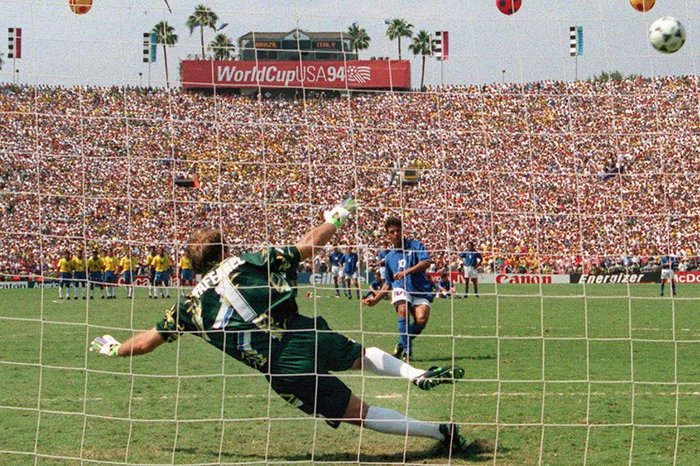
(104, 46)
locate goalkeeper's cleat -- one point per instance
(106, 344)
(438, 375)
(340, 213)
(453, 441)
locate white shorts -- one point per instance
(352, 276)
(335, 270)
(471, 272)
(399, 294)
(667, 274)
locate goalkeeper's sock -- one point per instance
(383, 363)
(389, 421)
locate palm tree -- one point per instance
(397, 29)
(421, 45)
(222, 46)
(201, 18)
(165, 35)
(358, 37)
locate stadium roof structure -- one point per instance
(294, 34)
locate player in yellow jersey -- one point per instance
(185, 266)
(128, 264)
(111, 262)
(151, 272)
(79, 274)
(95, 265)
(161, 263)
(65, 274)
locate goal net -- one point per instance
(576, 183)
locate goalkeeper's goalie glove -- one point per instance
(340, 213)
(106, 344)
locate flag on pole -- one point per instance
(441, 45)
(576, 41)
(14, 43)
(154, 46)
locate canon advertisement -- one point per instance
(355, 74)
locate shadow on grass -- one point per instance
(374, 455)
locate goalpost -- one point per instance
(553, 180)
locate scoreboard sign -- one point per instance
(327, 45)
(354, 74)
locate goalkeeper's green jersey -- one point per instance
(240, 306)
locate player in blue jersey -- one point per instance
(669, 264)
(350, 263)
(375, 285)
(472, 258)
(334, 259)
(445, 289)
(412, 291)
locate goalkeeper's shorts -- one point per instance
(300, 368)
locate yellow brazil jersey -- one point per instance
(111, 263)
(127, 263)
(149, 261)
(79, 264)
(185, 263)
(161, 263)
(95, 265)
(64, 265)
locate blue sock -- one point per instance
(662, 288)
(403, 336)
(476, 289)
(413, 331)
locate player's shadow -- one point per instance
(481, 357)
(399, 457)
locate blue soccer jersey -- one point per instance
(398, 260)
(349, 262)
(445, 284)
(669, 262)
(335, 257)
(471, 258)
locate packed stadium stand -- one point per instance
(547, 176)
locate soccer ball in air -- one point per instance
(667, 34)
(508, 7)
(80, 7)
(642, 5)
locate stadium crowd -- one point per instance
(544, 177)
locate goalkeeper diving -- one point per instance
(245, 307)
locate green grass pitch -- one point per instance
(609, 374)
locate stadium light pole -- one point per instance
(140, 80)
(503, 76)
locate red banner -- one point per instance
(692, 277)
(356, 74)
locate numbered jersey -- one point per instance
(238, 306)
(400, 260)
